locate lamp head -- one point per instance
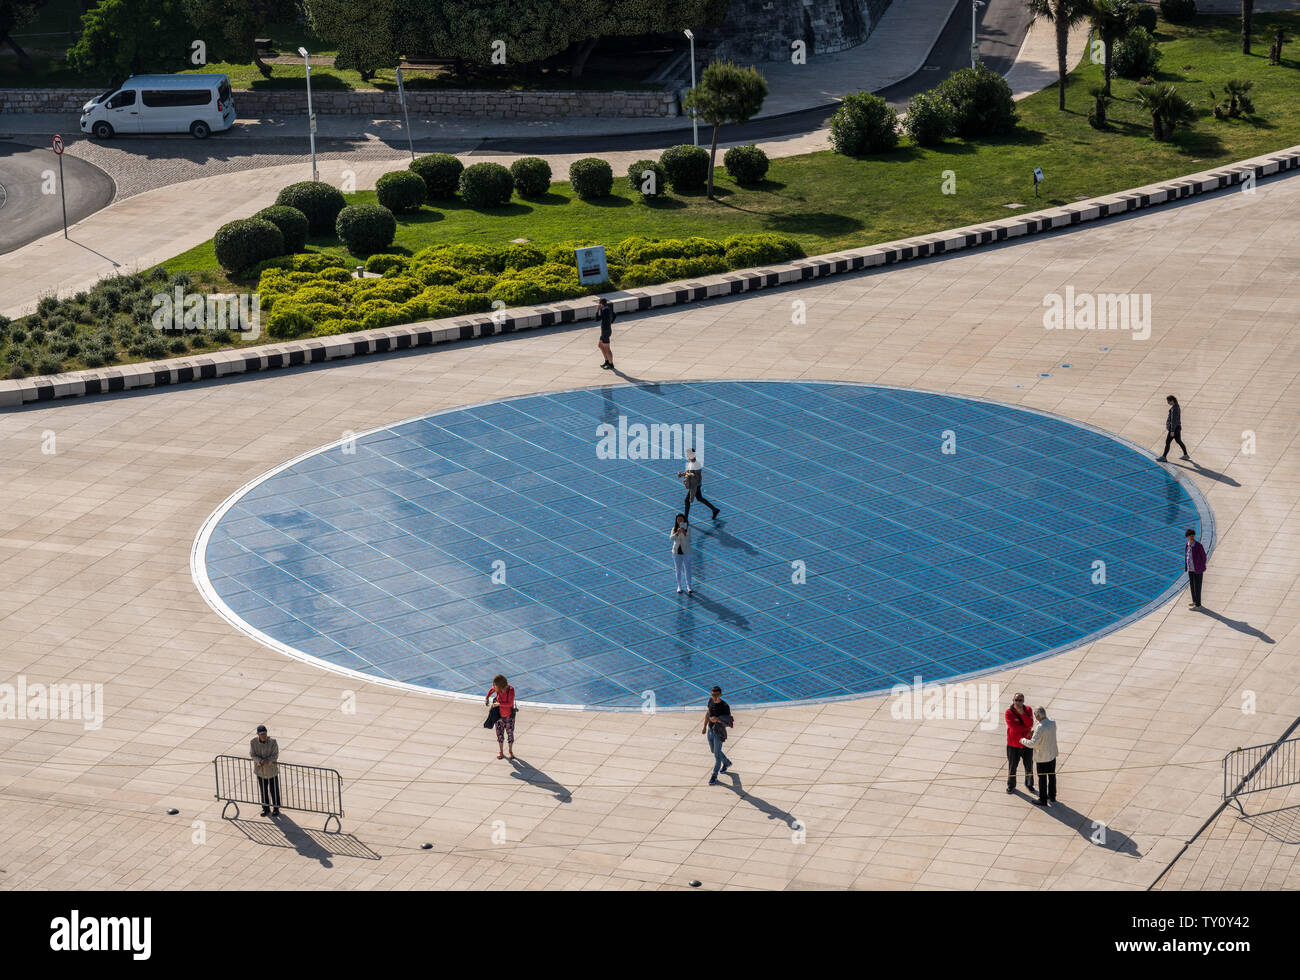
(688, 33)
(303, 52)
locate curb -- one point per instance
(185, 370)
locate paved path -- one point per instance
(94, 588)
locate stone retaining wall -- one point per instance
(489, 105)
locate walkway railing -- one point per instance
(1260, 767)
(307, 788)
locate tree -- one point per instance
(229, 27)
(127, 37)
(16, 13)
(1064, 14)
(1247, 23)
(1111, 20)
(726, 93)
(1277, 35)
(363, 35)
(1168, 109)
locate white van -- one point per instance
(194, 104)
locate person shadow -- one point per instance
(1095, 832)
(535, 777)
(718, 530)
(772, 811)
(1236, 624)
(1200, 470)
(318, 845)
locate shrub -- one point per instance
(441, 173)
(1178, 11)
(366, 228)
(320, 202)
(1136, 55)
(929, 119)
(384, 261)
(981, 102)
(246, 242)
(532, 176)
(647, 178)
(746, 164)
(686, 167)
(863, 124)
(521, 256)
(463, 256)
(486, 185)
(289, 323)
(401, 191)
(1145, 17)
(293, 227)
(591, 178)
(765, 248)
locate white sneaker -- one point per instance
(679, 591)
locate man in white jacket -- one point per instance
(1043, 741)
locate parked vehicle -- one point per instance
(197, 104)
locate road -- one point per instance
(26, 212)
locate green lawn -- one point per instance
(830, 202)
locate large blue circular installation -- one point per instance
(867, 536)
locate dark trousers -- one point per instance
(696, 495)
(1016, 753)
(1175, 436)
(270, 791)
(1047, 781)
(1194, 578)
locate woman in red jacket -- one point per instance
(505, 726)
(1020, 723)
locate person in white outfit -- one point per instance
(680, 535)
(1043, 741)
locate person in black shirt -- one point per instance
(606, 314)
(717, 719)
(1173, 429)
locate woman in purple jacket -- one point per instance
(1194, 562)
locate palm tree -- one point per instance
(1112, 20)
(1064, 14)
(1168, 109)
(1247, 18)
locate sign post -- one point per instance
(57, 145)
(591, 265)
(1038, 179)
(401, 95)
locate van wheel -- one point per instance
(101, 130)
(199, 130)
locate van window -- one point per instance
(223, 91)
(156, 99)
(122, 99)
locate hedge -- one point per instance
(486, 185)
(686, 166)
(532, 176)
(366, 228)
(292, 223)
(401, 191)
(647, 178)
(864, 123)
(591, 178)
(246, 242)
(746, 164)
(319, 201)
(441, 173)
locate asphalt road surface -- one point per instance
(26, 212)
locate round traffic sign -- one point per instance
(57, 143)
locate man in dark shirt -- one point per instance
(606, 314)
(717, 719)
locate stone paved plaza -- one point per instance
(95, 587)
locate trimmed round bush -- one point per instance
(441, 173)
(532, 176)
(929, 119)
(1136, 55)
(292, 223)
(746, 164)
(981, 102)
(1145, 17)
(687, 167)
(366, 228)
(591, 178)
(245, 242)
(319, 201)
(863, 124)
(289, 323)
(401, 191)
(486, 185)
(647, 178)
(383, 262)
(1178, 11)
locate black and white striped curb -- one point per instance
(316, 350)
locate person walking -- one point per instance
(501, 696)
(1173, 429)
(693, 477)
(605, 313)
(717, 719)
(265, 753)
(1043, 742)
(1020, 724)
(1194, 563)
(680, 536)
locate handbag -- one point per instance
(493, 717)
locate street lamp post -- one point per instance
(311, 116)
(695, 121)
(974, 40)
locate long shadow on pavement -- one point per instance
(318, 845)
(535, 777)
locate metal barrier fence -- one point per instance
(307, 788)
(1260, 767)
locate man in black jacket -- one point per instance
(1173, 429)
(717, 719)
(605, 312)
